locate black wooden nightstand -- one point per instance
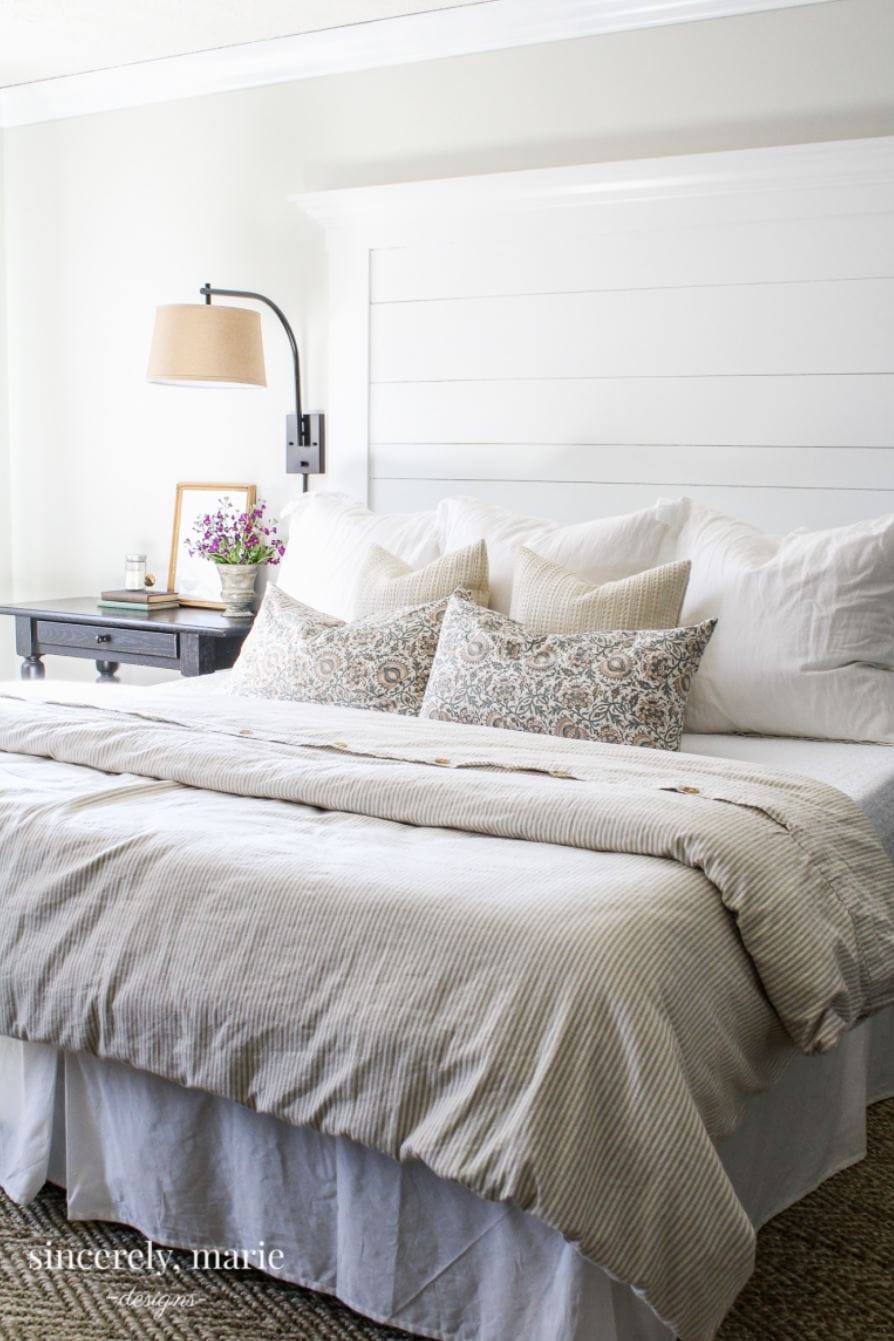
(191, 641)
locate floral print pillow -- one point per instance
(381, 662)
(625, 688)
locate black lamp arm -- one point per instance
(208, 293)
(304, 432)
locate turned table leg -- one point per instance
(32, 668)
(106, 670)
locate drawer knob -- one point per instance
(103, 637)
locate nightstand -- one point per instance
(188, 640)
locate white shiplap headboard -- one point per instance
(578, 341)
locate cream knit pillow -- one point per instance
(387, 583)
(601, 550)
(549, 599)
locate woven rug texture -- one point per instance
(825, 1272)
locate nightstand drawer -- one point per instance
(104, 640)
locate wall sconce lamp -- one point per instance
(214, 346)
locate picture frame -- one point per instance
(195, 579)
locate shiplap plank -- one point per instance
(737, 253)
(833, 411)
(818, 327)
(579, 342)
(786, 467)
(776, 510)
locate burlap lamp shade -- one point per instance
(207, 345)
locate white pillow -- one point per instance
(329, 540)
(804, 644)
(596, 551)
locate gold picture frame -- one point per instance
(196, 579)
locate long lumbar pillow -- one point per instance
(381, 662)
(626, 688)
(548, 598)
(385, 582)
(805, 638)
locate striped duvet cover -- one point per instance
(550, 970)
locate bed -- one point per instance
(707, 323)
(116, 1070)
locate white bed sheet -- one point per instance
(394, 1241)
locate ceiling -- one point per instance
(62, 58)
(45, 39)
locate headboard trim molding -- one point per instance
(396, 212)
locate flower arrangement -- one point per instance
(228, 536)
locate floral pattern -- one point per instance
(381, 662)
(624, 688)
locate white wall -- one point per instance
(110, 214)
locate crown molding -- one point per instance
(386, 215)
(490, 25)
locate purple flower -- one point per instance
(228, 536)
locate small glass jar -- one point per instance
(134, 572)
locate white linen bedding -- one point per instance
(805, 627)
(812, 1029)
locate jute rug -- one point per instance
(825, 1273)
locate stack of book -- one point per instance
(138, 602)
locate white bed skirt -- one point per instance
(393, 1241)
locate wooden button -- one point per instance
(246, 731)
(442, 761)
(691, 791)
(559, 773)
(340, 744)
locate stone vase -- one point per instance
(237, 587)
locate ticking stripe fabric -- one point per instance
(386, 583)
(549, 969)
(551, 599)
